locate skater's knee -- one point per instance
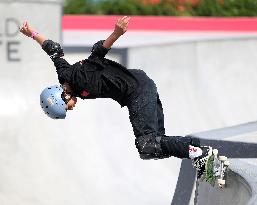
(149, 147)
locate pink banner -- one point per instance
(155, 23)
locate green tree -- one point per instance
(224, 8)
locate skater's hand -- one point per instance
(121, 25)
(26, 29)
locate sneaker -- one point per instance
(199, 163)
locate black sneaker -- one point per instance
(200, 162)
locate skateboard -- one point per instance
(216, 169)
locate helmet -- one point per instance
(52, 103)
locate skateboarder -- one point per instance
(98, 77)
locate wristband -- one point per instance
(34, 34)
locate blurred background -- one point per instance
(202, 54)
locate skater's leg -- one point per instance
(153, 146)
(171, 145)
(143, 115)
(147, 120)
(180, 147)
(143, 110)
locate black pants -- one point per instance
(147, 119)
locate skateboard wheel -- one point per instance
(221, 186)
(223, 158)
(215, 152)
(221, 182)
(227, 163)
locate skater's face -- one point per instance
(69, 99)
(71, 103)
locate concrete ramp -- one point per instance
(239, 190)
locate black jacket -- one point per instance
(98, 77)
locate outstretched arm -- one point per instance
(121, 27)
(30, 32)
(53, 49)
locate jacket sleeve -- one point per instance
(53, 49)
(98, 50)
(64, 70)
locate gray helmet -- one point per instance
(52, 103)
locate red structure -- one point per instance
(162, 23)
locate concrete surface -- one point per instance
(247, 168)
(241, 132)
(240, 188)
(235, 142)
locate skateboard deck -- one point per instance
(216, 169)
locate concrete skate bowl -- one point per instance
(236, 192)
